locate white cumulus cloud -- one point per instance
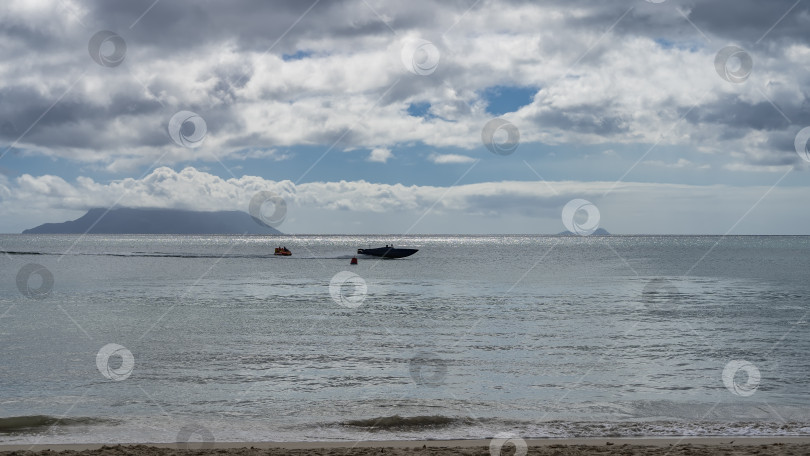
(450, 158)
(380, 155)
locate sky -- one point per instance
(418, 117)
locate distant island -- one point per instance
(157, 221)
(598, 232)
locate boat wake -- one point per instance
(182, 255)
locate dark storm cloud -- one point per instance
(598, 119)
(255, 25)
(186, 26)
(731, 111)
(732, 118)
(746, 21)
(783, 142)
(71, 122)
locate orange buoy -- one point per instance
(354, 260)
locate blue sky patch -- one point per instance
(682, 45)
(420, 109)
(503, 99)
(299, 55)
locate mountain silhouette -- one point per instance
(157, 221)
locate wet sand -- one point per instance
(730, 446)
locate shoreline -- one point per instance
(619, 442)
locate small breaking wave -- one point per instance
(34, 423)
(405, 422)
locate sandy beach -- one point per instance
(731, 446)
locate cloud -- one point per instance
(380, 155)
(750, 168)
(449, 158)
(680, 164)
(487, 207)
(606, 73)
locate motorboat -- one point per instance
(387, 252)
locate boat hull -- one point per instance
(387, 252)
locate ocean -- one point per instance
(212, 338)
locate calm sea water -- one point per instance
(217, 339)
